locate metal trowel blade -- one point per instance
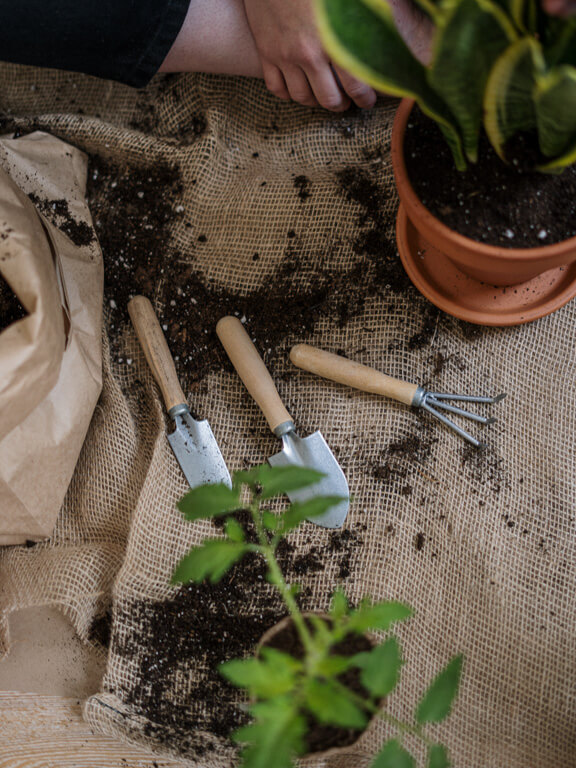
(197, 451)
(313, 452)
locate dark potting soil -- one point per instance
(186, 637)
(508, 205)
(320, 736)
(58, 211)
(10, 308)
(135, 209)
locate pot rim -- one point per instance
(411, 200)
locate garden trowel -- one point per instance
(192, 441)
(312, 451)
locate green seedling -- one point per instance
(286, 691)
(501, 64)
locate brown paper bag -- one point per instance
(50, 360)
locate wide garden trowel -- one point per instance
(312, 451)
(192, 441)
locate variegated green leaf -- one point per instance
(517, 10)
(559, 42)
(509, 97)
(361, 37)
(468, 25)
(556, 116)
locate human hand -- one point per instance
(559, 7)
(294, 63)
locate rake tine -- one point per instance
(445, 420)
(467, 398)
(460, 411)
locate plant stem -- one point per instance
(276, 578)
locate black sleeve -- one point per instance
(125, 40)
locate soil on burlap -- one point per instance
(206, 624)
(134, 210)
(509, 205)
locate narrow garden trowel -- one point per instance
(312, 451)
(192, 441)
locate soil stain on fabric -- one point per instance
(174, 647)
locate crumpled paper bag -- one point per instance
(50, 360)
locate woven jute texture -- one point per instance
(285, 216)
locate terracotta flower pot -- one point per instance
(283, 635)
(484, 284)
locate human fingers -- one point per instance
(299, 87)
(361, 94)
(325, 86)
(559, 7)
(275, 82)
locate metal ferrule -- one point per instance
(283, 428)
(178, 410)
(418, 398)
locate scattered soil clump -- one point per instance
(10, 308)
(135, 211)
(187, 637)
(58, 212)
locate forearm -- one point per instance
(215, 37)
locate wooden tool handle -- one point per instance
(156, 350)
(251, 369)
(354, 374)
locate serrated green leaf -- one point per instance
(298, 511)
(276, 736)
(437, 757)
(209, 501)
(321, 633)
(272, 656)
(361, 37)
(393, 755)
(271, 521)
(339, 605)
(211, 560)
(380, 667)
(271, 676)
(330, 704)
(464, 26)
(234, 530)
(276, 481)
(247, 477)
(377, 615)
(437, 702)
(334, 665)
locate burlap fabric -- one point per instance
(286, 216)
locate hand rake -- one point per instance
(360, 376)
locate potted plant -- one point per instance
(312, 671)
(500, 92)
